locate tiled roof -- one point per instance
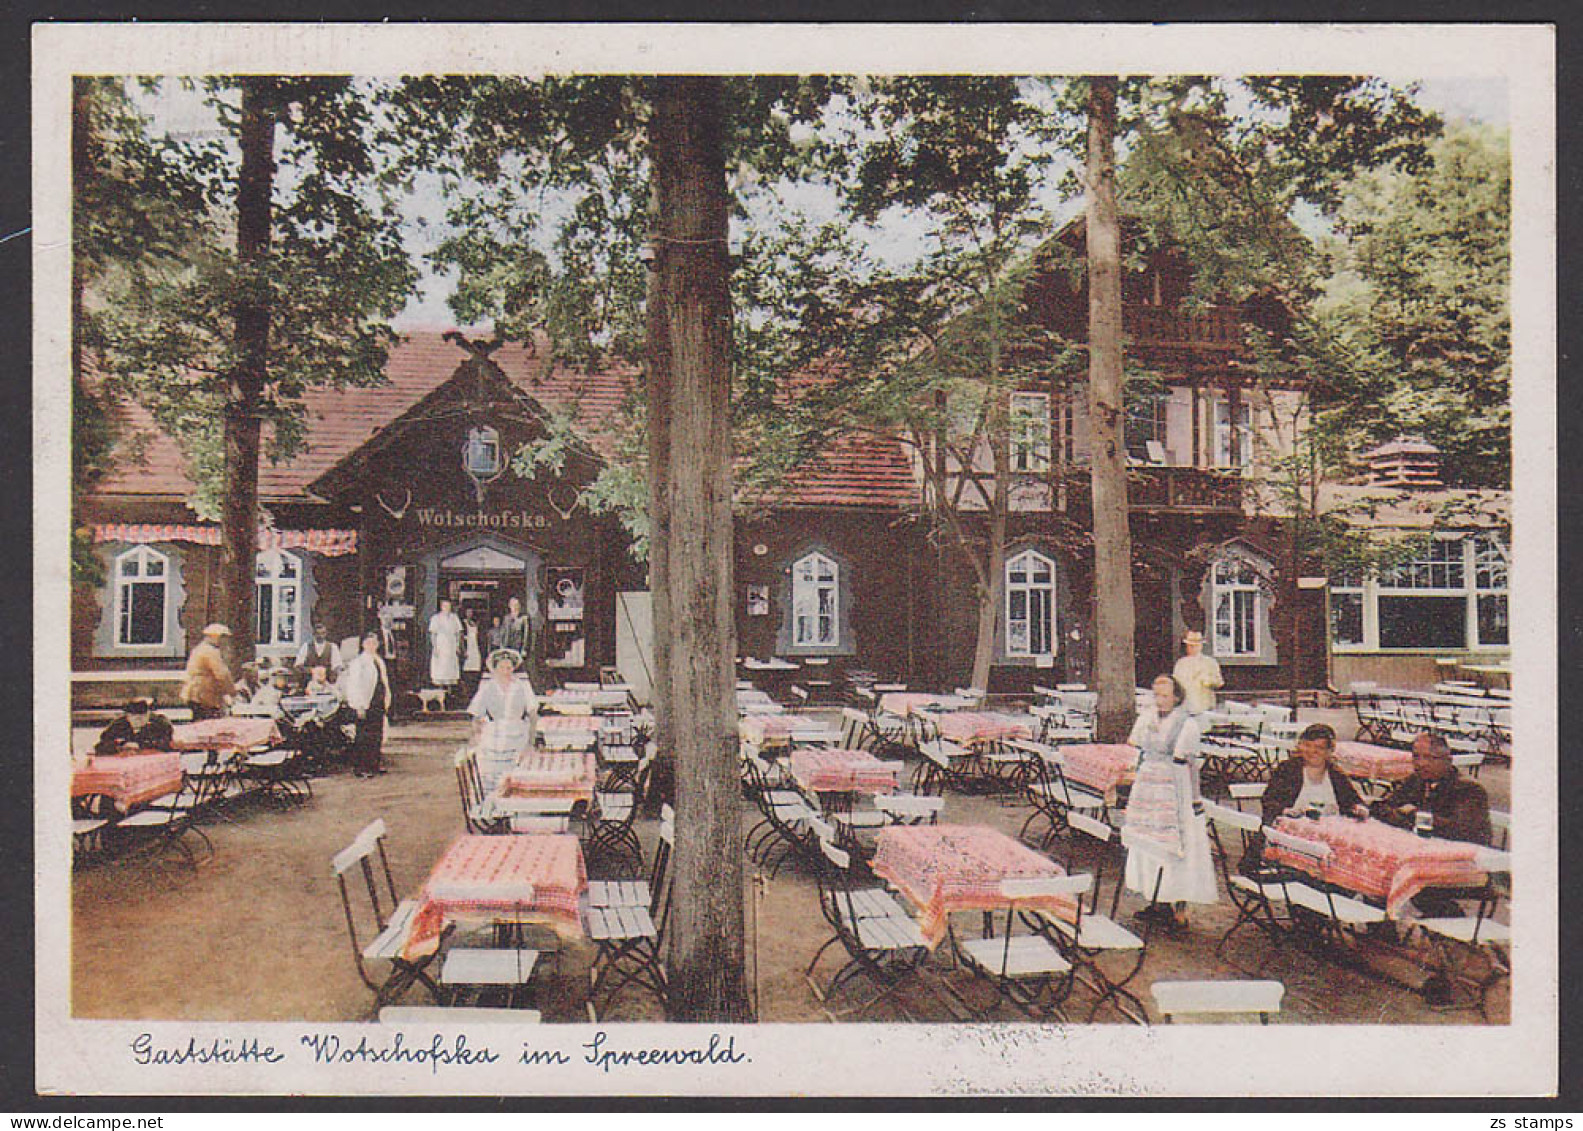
(859, 469)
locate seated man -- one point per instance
(138, 729)
(1459, 809)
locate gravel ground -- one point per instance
(257, 933)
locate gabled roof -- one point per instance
(856, 469)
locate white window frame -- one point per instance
(1026, 562)
(1030, 431)
(143, 555)
(1231, 588)
(1351, 584)
(489, 439)
(1222, 430)
(805, 600)
(272, 580)
(1421, 581)
(1501, 562)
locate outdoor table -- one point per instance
(583, 701)
(905, 703)
(972, 728)
(226, 733)
(555, 774)
(944, 868)
(300, 707)
(517, 878)
(765, 731)
(843, 771)
(128, 780)
(1379, 860)
(1373, 763)
(568, 730)
(1100, 766)
(772, 665)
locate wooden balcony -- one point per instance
(1184, 489)
(1217, 328)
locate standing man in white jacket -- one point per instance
(367, 685)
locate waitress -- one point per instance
(1168, 858)
(503, 713)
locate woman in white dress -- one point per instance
(1164, 827)
(503, 710)
(445, 647)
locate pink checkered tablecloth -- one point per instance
(524, 878)
(904, 703)
(839, 770)
(568, 730)
(551, 773)
(944, 868)
(1099, 766)
(128, 780)
(1373, 763)
(226, 733)
(1379, 860)
(971, 727)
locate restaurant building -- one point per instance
(405, 494)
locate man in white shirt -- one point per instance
(1198, 674)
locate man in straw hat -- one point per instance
(1198, 674)
(208, 685)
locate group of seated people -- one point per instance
(1434, 798)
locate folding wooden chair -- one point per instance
(476, 974)
(630, 941)
(1028, 970)
(1480, 934)
(1177, 999)
(165, 824)
(882, 942)
(781, 833)
(1253, 890)
(610, 820)
(1338, 916)
(392, 920)
(441, 1015)
(635, 893)
(1093, 936)
(477, 816)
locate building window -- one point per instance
(1451, 596)
(1030, 431)
(483, 452)
(1224, 434)
(1490, 567)
(278, 593)
(1146, 425)
(1423, 603)
(141, 590)
(1030, 605)
(1238, 603)
(1346, 610)
(815, 602)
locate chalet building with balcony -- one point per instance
(404, 495)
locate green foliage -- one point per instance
(334, 274)
(1419, 305)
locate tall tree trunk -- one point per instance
(1115, 666)
(657, 343)
(990, 595)
(239, 511)
(706, 961)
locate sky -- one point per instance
(423, 220)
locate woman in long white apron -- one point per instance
(1164, 829)
(503, 710)
(445, 647)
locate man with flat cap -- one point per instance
(208, 685)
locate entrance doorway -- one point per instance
(484, 596)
